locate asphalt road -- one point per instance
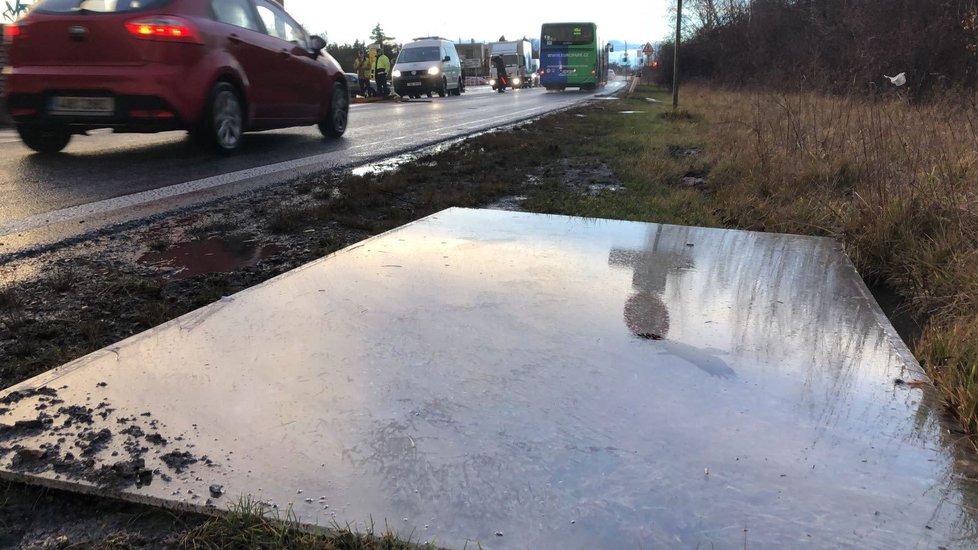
(106, 174)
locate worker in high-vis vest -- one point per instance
(362, 67)
(382, 69)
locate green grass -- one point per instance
(248, 525)
(639, 148)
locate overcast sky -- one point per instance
(346, 21)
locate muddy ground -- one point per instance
(61, 303)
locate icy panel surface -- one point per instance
(525, 381)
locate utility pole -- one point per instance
(675, 56)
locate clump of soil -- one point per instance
(156, 439)
(178, 460)
(16, 396)
(77, 413)
(75, 445)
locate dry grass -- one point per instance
(897, 183)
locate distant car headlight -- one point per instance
(396, 73)
(492, 82)
(516, 82)
(434, 70)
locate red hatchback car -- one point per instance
(216, 68)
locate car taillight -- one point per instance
(154, 113)
(541, 72)
(164, 27)
(594, 71)
(10, 32)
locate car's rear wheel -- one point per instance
(44, 139)
(334, 122)
(224, 123)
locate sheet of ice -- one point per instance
(524, 381)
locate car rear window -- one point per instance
(98, 6)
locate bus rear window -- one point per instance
(567, 34)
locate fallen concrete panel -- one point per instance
(525, 381)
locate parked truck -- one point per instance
(518, 57)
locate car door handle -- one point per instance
(234, 38)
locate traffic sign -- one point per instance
(648, 49)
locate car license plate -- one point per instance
(75, 105)
(413, 83)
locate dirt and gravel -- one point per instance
(59, 303)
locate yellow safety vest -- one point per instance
(384, 62)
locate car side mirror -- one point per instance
(447, 58)
(316, 44)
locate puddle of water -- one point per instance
(679, 151)
(692, 181)
(595, 188)
(211, 255)
(514, 203)
(389, 165)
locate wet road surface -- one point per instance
(38, 189)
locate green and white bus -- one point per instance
(571, 56)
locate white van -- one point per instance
(428, 65)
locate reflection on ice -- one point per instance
(706, 359)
